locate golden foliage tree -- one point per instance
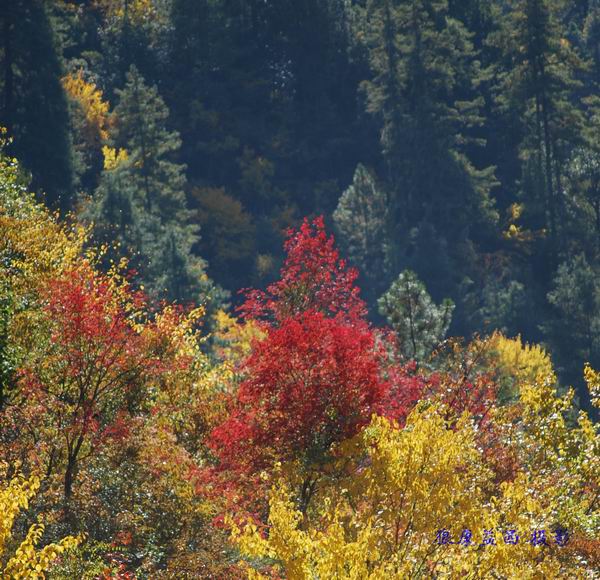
(95, 109)
(26, 562)
(404, 490)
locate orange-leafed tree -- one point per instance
(84, 373)
(315, 377)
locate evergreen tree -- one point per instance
(584, 197)
(320, 83)
(424, 92)
(34, 106)
(361, 221)
(573, 330)
(536, 82)
(591, 37)
(141, 202)
(424, 74)
(419, 323)
(583, 170)
(266, 88)
(222, 84)
(131, 33)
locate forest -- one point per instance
(299, 289)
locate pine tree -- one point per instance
(536, 82)
(419, 323)
(220, 83)
(583, 170)
(34, 106)
(320, 83)
(573, 329)
(584, 194)
(361, 220)
(141, 202)
(591, 37)
(425, 70)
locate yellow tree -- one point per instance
(94, 108)
(138, 12)
(25, 562)
(34, 247)
(234, 338)
(408, 493)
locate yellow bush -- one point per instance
(26, 562)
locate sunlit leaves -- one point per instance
(26, 562)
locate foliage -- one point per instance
(34, 104)
(313, 277)
(34, 248)
(575, 299)
(424, 72)
(228, 230)
(234, 338)
(536, 56)
(419, 323)
(113, 157)
(517, 362)
(26, 561)
(455, 140)
(72, 387)
(362, 222)
(312, 381)
(137, 11)
(382, 520)
(140, 200)
(313, 378)
(95, 109)
(34, 245)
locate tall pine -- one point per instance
(362, 225)
(536, 84)
(141, 201)
(423, 91)
(33, 104)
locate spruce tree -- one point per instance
(361, 220)
(419, 323)
(424, 93)
(573, 327)
(33, 104)
(220, 82)
(141, 202)
(584, 195)
(424, 75)
(536, 84)
(591, 38)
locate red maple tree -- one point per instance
(313, 381)
(79, 386)
(313, 277)
(315, 378)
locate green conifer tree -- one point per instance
(361, 221)
(419, 323)
(573, 328)
(33, 104)
(141, 202)
(536, 87)
(425, 71)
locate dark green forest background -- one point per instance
(459, 139)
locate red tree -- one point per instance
(83, 378)
(315, 378)
(313, 277)
(311, 382)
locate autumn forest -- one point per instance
(299, 289)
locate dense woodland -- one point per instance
(289, 289)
